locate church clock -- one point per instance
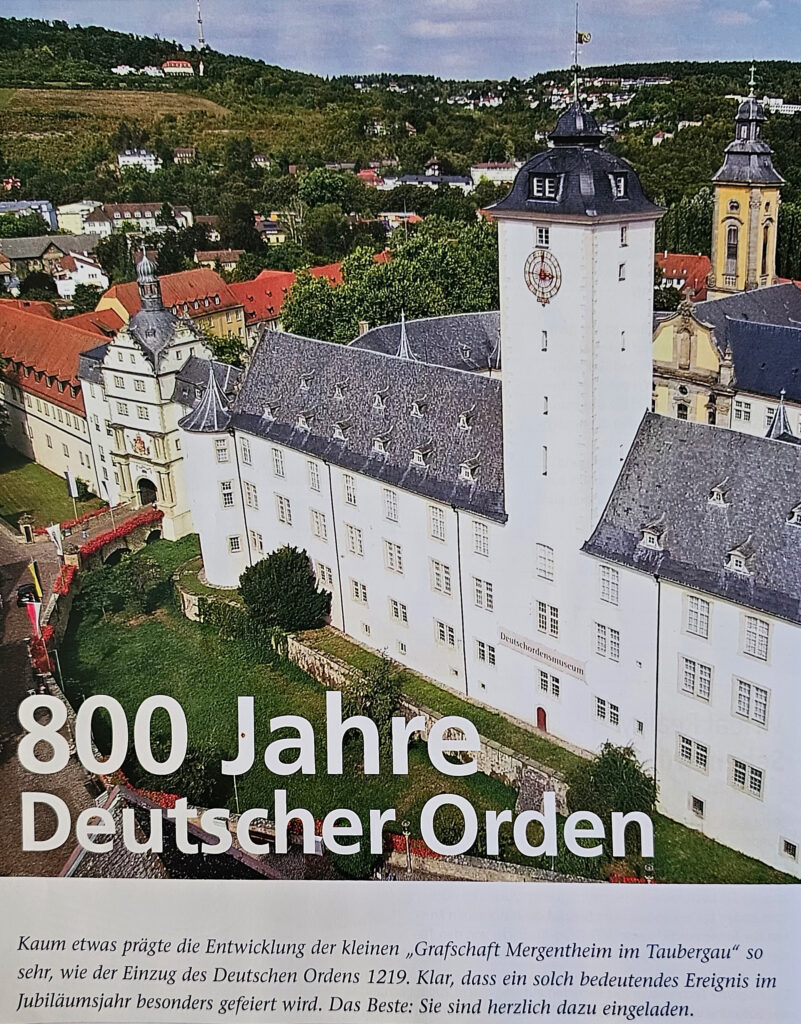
(543, 275)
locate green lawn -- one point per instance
(28, 487)
(192, 585)
(132, 657)
(6, 96)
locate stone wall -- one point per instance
(475, 869)
(530, 778)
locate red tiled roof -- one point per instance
(263, 297)
(46, 348)
(184, 287)
(223, 255)
(332, 272)
(35, 306)
(99, 321)
(692, 269)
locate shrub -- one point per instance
(375, 693)
(281, 590)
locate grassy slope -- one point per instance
(26, 486)
(145, 106)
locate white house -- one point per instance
(538, 539)
(79, 268)
(138, 158)
(499, 173)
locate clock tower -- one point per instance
(576, 250)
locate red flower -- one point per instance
(66, 574)
(152, 515)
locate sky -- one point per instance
(451, 38)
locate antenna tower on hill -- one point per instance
(201, 42)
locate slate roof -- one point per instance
(766, 358)
(780, 305)
(748, 159)
(669, 472)
(154, 330)
(212, 411)
(464, 341)
(584, 172)
(32, 248)
(90, 364)
(193, 378)
(282, 362)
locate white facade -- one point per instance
(72, 216)
(514, 613)
(138, 158)
(497, 173)
(86, 271)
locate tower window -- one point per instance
(544, 342)
(734, 206)
(681, 411)
(621, 272)
(624, 235)
(543, 237)
(732, 238)
(620, 185)
(543, 186)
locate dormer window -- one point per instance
(719, 494)
(268, 413)
(418, 409)
(340, 431)
(305, 381)
(216, 300)
(195, 304)
(794, 518)
(464, 421)
(740, 559)
(339, 392)
(205, 302)
(652, 535)
(543, 186)
(620, 184)
(380, 443)
(380, 401)
(421, 455)
(302, 422)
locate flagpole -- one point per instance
(575, 57)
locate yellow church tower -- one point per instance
(746, 211)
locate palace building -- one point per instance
(492, 501)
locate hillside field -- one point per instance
(146, 106)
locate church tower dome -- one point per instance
(746, 207)
(148, 284)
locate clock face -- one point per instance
(543, 275)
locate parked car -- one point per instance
(26, 594)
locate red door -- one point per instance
(542, 722)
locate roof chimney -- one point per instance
(364, 327)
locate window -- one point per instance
(756, 637)
(221, 449)
(607, 712)
(227, 493)
(746, 777)
(390, 505)
(358, 591)
(440, 577)
(234, 544)
(101, 453)
(544, 342)
(139, 385)
(354, 539)
(697, 806)
(693, 753)
(543, 237)
(398, 612)
(142, 412)
(621, 272)
(624, 235)
(545, 561)
(401, 647)
(610, 584)
(122, 408)
(314, 475)
(393, 557)
(109, 431)
(444, 634)
(751, 701)
(350, 489)
(549, 684)
(790, 849)
(742, 411)
(119, 382)
(318, 524)
(436, 522)
(66, 451)
(620, 185)
(682, 411)
(244, 448)
(278, 462)
(485, 652)
(695, 678)
(769, 414)
(547, 618)
(544, 457)
(697, 616)
(543, 186)
(251, 495)
(256, 542)
(283, 510)
(482, 594)
(325, 576)
(49, 440)
(607, 642)
(365, 629)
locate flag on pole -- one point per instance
(54, 532)
(34, 608)
(104, 487)
(72, 486)
(37, 579)
(582, 37)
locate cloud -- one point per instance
(733, 18)
(763, 7)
